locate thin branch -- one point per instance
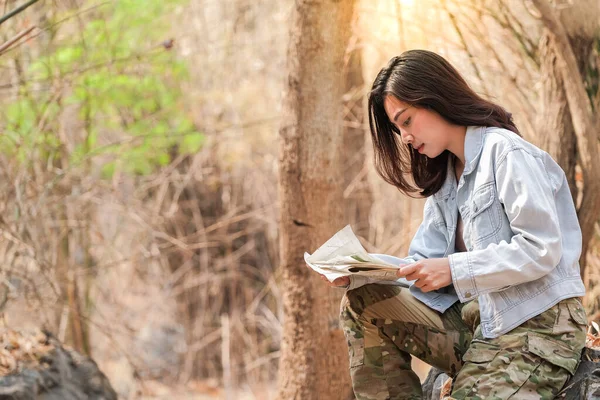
(15, 39)
(16, 11)
(154, 51)
(59, 22)
(101, 149)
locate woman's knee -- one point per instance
(357, 300)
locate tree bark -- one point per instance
(314, 360)
(554, 119)
(556, 133)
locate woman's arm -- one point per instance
(528, 195)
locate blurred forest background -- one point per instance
(140, 214)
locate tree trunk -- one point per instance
(555, 121)
(314, 360)
(556, 133)
(70, 320)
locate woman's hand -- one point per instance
(430, 274)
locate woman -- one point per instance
(499, 234)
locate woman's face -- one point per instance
(424, 129)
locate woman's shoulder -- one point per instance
(502, 141)
(499, 143)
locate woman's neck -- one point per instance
(457, 143)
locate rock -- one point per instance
(35, 366)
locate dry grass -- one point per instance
(20, 350)
(222, 263)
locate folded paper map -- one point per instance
(343, 255)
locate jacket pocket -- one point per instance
(482, 199)
(553, 351)
(485, 215)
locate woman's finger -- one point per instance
(413, 277)
(407, 270)
(341, 281)
(426, 288)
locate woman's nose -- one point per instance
(407, 138)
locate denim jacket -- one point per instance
(520, 229)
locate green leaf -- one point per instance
(192, 142)
(163, 159)
(123, 87)
(108, 170)
(68, 55)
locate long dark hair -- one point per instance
(424, 79)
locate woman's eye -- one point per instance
(406, 122)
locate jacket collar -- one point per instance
(473, 147)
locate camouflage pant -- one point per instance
(385, 325)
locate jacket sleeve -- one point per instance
(429, 242)
(527, 193)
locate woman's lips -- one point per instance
(420, 148)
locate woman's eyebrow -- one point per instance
(399, 113)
